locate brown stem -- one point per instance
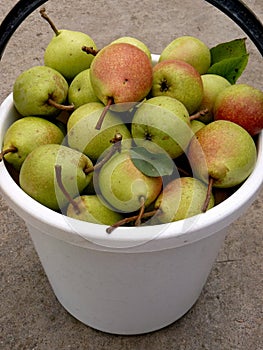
(116, 141)
(103, 114)
(141, 212)
(11, 149)
(45, 16)
(208, 194)
(90, 50)
(60, 106)
(63, 189)
(199, 114)
(124, 221)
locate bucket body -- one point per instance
(126, 293)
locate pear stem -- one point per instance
(63, 189)
(90, 50)
(125, 221)
(116, 141)
(45, 16)
(199, 114)
(60, 106)
(141, 212)
(11, 149)
(103, 114)
(208, 194)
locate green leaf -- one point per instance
(230, 68)
(152, 164)
(230, 49)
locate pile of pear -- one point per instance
(109, 137)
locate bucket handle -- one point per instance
(234, 9)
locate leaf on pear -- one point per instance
(230, 49)
(230, 68)
(152, 164)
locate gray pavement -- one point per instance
(228, 315)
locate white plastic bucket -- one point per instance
(134, 280)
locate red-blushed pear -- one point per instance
(189, 49)
(178, 79)
(223, 152)
(121, 73)
(180, 199)
(241, 104)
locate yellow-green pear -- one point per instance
(26, 134)
(189, 49)
(36, 88)
(165, 121)
(80, 90)
(83, 136)
(38, 176)
(92, 209)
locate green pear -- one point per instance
(164, 121)
(241, 104)
(83, 136)
(196, 125)
(80, 90)
(182, 198)
(35, 89)
(26, 134)
(92, 209)
(123, 186)
(178, 79)
(121, 73)
(136, 42)
(189, 49)
(38, 178)
(213, 84)
(224, 152)
(64, 52)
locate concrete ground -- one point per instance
(228, 315)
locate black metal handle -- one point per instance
(14, 18)
(234, 9)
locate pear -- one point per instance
(123, 186)
(80, 90)
(164, 121)
(92, 209)
(180, 199)
(241, 104)
(39, 91)
(213, 84)
(26, 134)
(223, 152)
(136, 42)
(83, 136)
(189, 49)
(121, 73)
(37, 175)
(196, 125)
(64, 52)
(178, 79)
